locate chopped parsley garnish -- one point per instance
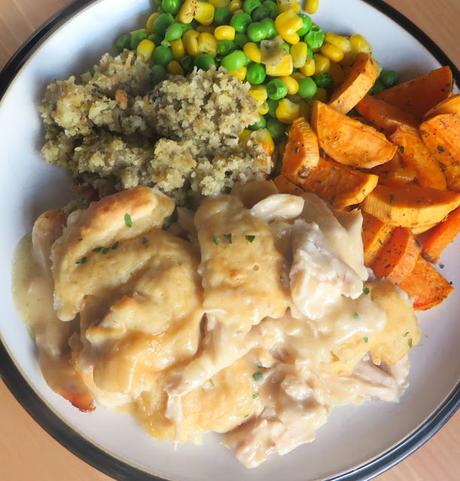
(366, 339)
(391, 198)
(250, 238)
(216, 239)
(228, 238)
(83, 260)
(441, 149)
(246, 415)
(402, 149)
(406, 333)
(255, 395)
(128, 220)
(98, 249)
(105, 250)
(211, 383)
(257, 376)
(169, 221)
(410, 343)
(145, 240)
(366, 291)
(355, 315)
(115, 246)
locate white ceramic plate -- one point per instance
(357, 442)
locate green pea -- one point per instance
(259, 14)
(136, 38)
(241, 39)
(307, 88)
(240, 21)
(155, 38)
(204, 61)
(276, 128)
(389, 78)
(269, 26)
(324, 80)
(162, 56)
(170, 6)
(272, 8)
(307, 24)
(224, 47)
(256, 32)
(315, 37)
(234, 61)
(377, 88)
(161, 24)
(256, 74)
(187, 63)
(175, 31)
(272, 106)
(260, 124)
(250, 5)
(158, 74)
(123, 42)
(222, 15)
(276, 89)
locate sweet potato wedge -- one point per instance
(302, 150)
(356, 85)
(384, 116)
(426, 286)
(441, 236)
(441, 135)
(395, 172)
(421, 229)
(420, 95)
(397, 258)
(449, 106)
(375, 233)
(349, 141)
(415, 155)
(410, 205)
(285, 186)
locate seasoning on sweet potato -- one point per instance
(441, 236)
(420, 95)
(397, 258)
(448, 106)
(356, 85)
(441, 134)
(302, 150)
(374, 233)
(410, 205)
(394, 173)
(349, 141)
(416, 156)
(285, 186)
(384, 116)
(426, 286)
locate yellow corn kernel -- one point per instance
(291, 84)
(240, 74)
(287, 111)
(284, 5)
(333, 53)
(244, 135)
(219, 3)
(190, 39)
(299, 53)
(339, 41)
(337, 74)
(311, 6)
(224, 32)
(264, 138)
(283, 69)
(145, 50)
(178, 49)
(253, 52)
(207, 43)
(322, 63)
(235, 5)
(175, 68)
(287, 23)
(321, 95)
(263, 109)
(259, 93)
(187, 11)
(359, 44)
(151, 21)
(205, 28)
(309, 69)
(298, 76)
(204, 13)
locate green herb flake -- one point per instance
(115, 246)
(366, 339)
(228, 238)
(355, 315)
(255, 395)
(82, 260)
(246, 415)
(441, 149)
(402, 149)
(250, 238)
(257, 376)
(128, 220)
(366, 291)
(211, 383)
(168, 221)
(145, 241)
(98, 249)
(391, 198)
(410, 343)
(406, 333)
(216, 239)
(105, 250)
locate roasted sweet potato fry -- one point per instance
(441, 134)
(426, 286)
(448, 106)
(384, 116)
(285, 186)
(394, 173)
(349, 141)
(397, 258)
(421, 229)
(356, 85)
(410, 205)
(420, 95)
(416, 156)
(441, 236)
(375, 233)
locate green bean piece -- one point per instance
(175, 31)
(161, 24)
(222, 16)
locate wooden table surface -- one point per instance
(27, 453)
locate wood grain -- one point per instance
(28, 453)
